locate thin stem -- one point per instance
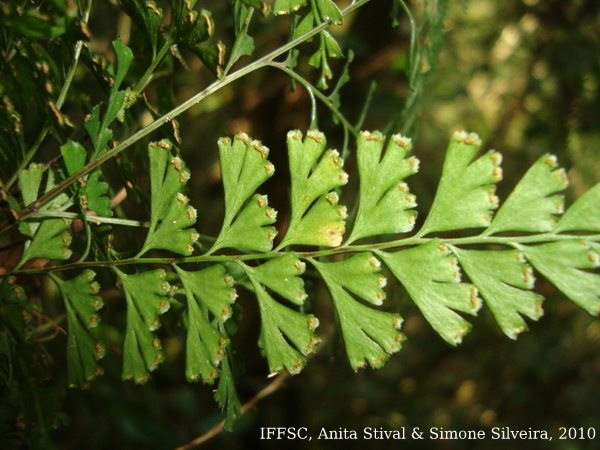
(90, 218)
(149, 74)
(509, 241)
(194, 100)
(313, 91)
(413, 43)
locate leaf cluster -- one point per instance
(469, 250)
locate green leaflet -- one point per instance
(584, 214)
(314, 173)
(504, 280)
(147, 16)
(329, 11)
(93, 190)
(206, 290)
(171, 217)
(147, 297)
(99, 135)
(532, 206)
(30, 180)
(384, 200)
(83, 345)
(281, 275)
(358, 274)
(369, 335)
(244, 166)
(226, 395)
(431, 276)
(465, 197)
(329, 48)
(277, 321)
(124, 60)
(564, 264)
(244, 43)
(51, 240)
(96, 123)
(287, 6)
(192, 29)
(93, 195)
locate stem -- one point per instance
(211, 89)
(148, 75)
(413, 44)
(509, 241)
(90, 218)
(313, 91)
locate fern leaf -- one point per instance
(504, 280)
(193, 29)
(384, 200)
(147, 16)
(93, 190)
(369, 335)
(226, 395)
(281, 275)
(465, 197)
(206, 290)
(244, 166)
(287, 6)
(286, 336)
(329, 48)
(83, 345)
(93, 125)
(51, 241)
(329, 11)
(147, 297)
(431, 276)
(30, 180)
(171, 216)
(564, 263)
(584, 214)
(359, 275)
(124, 59)
(50, 238)
(93, 195)
(316, 217)
(532, 206)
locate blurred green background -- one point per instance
(524, 75)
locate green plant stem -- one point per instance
(509, 241)
(313, 91)
(262, 62)
(149, 74)
(90, 218)
(412, 52)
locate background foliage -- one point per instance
(523, 74)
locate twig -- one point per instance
(273, 386)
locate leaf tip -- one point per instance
(463, 137)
